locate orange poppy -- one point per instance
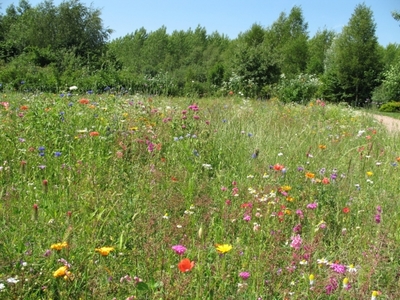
(24, 107)
(94, 133)
(84, 101)
(185, 265)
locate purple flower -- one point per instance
(244, 275)
(338, 268)
(379, 209)
(332, 286)
(297, 228)
(179, 249)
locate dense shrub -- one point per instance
(390, 107)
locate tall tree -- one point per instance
(318, 45)
(288, 38)
(354, 63)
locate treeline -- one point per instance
(49, 48)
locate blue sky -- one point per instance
(235, 16)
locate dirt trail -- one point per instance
(392, 125)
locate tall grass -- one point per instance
(269, 201)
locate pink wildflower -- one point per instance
(296, 242)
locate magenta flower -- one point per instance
(338, 268)
(247, 218)
(244, 275)
(179, 249)
(313, 205)
(377, 218)
(296, 242)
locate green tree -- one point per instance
(353, 62)
(318, 45)
(288, 38)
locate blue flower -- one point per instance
(90, 92)
(57, 154)
(62, 95)
(41, 148)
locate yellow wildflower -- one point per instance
(61, 271)
(222, 249)
(310, 175)
(369, 173)
(59, 246)
(104, 251)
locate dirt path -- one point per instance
(392, 125)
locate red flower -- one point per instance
(278, 167)
(346, 210)
(94, 133)
(185, 265)
(325, 180)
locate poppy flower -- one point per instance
(278, 167)
(84, 101)
(185, 265)
(94, 133)
(346, 210)
(24, 107)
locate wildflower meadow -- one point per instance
(135, 197)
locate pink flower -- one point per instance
(244, 275)
(179, 249)
(313, 205)
(338, 268)
(247, 218)
(296, 242)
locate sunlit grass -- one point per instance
(159, 198)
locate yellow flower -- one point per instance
(369, 173)
(62, 271)
(59, 246)
(222, 249)
(322, 147)
(310, 175)
(311, 278)
(290, 199)
(104, 251)
(286, 188)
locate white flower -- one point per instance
(178, 226)
(73, 88)
(207, 166)
(2, 286)
(322, 261)
(280, 154)
(12, 280)
(250, 176)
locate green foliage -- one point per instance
(353, 62)
(390, 88)
(390, 107)
(301, 89)
(318, 46)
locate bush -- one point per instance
(300, 89)
(390, 107)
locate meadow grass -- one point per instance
(132, 197)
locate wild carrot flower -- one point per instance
(104, 251)
(179, 249)
(224, 248)
(185, 265)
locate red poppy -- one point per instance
(185, 265)
(24, 107)
(174, 179)
(346, 210)
(325, 180)
(278, 167)
(94, 133)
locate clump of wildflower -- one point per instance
(332, 286)
(104, 251)
(179, 249)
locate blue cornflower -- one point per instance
(90, 92)
(249, 134)
(41, 148)
(62, 95)
(57, 154)
(176, 139)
